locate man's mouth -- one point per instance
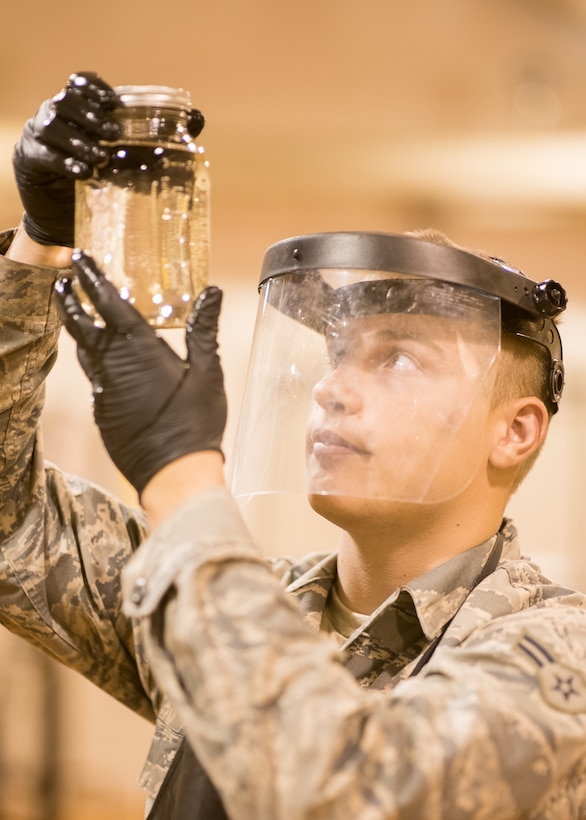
(327, 443)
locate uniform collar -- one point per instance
(432, 599)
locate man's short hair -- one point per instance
(523, 367)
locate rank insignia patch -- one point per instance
(563, 688)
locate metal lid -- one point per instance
(154, 95)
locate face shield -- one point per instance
(371, 370)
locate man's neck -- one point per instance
(374, 561)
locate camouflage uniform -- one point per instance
(493, 727)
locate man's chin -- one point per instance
(352, 512)
(344, 510)
(334, 508)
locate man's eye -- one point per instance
(402, 362)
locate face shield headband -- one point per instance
(528, 307)
(365, 381)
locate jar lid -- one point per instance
(159, 95)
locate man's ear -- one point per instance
(520, 429)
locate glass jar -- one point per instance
(144, 216)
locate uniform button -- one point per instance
(138, 591)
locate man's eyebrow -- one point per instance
(398, 334)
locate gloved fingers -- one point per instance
(71, 124)
(202, 325)
(92, 341)
(54, 143)
(94, 88)
(118, 314)
(88, 113)
(195, 122)
(71, 151)
(35, 154)
(76, 320)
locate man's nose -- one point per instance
(338, 391)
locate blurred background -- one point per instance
(329, 115)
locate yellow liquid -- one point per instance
(145, 221)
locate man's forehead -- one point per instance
(400, 295)
(395, 325)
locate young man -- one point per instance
(460, 689)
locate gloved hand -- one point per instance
(59, 145)
(150, 405)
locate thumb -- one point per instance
(202, 326)
(195, 122)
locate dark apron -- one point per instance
(187, 792)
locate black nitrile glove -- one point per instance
(59, 145)
(151, 406)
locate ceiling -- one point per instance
(332, 114)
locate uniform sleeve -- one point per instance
(286, 733)
(62, 543)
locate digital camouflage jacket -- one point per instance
(206, 634)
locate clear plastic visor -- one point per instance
(366, 385)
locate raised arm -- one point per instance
(63, 543)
